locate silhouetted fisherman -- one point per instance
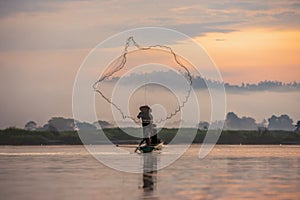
(147, 120)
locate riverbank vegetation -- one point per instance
(14, 136)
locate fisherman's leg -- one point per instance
(148, 141)
(154, 139)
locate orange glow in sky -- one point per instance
(269, 54)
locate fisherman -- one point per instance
(147, 120)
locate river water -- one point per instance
(228, 172)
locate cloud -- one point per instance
(294, 5)
(40, 25)
(290, 17)
(244, 5)
(13, 7)
(198, 29)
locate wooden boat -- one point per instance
(149, 149)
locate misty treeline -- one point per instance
(232, 122)
(199, 82)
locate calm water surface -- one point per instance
(228, 172)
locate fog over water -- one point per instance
(38, 103)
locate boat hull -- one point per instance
(149, 149)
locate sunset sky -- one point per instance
(43, 43)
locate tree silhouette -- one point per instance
(85, 126)
(203, 125)
(233, 122)
(31, 126)
(297, 126)
(62, 124)
(283, 122)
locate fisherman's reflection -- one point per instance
(150, 175)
